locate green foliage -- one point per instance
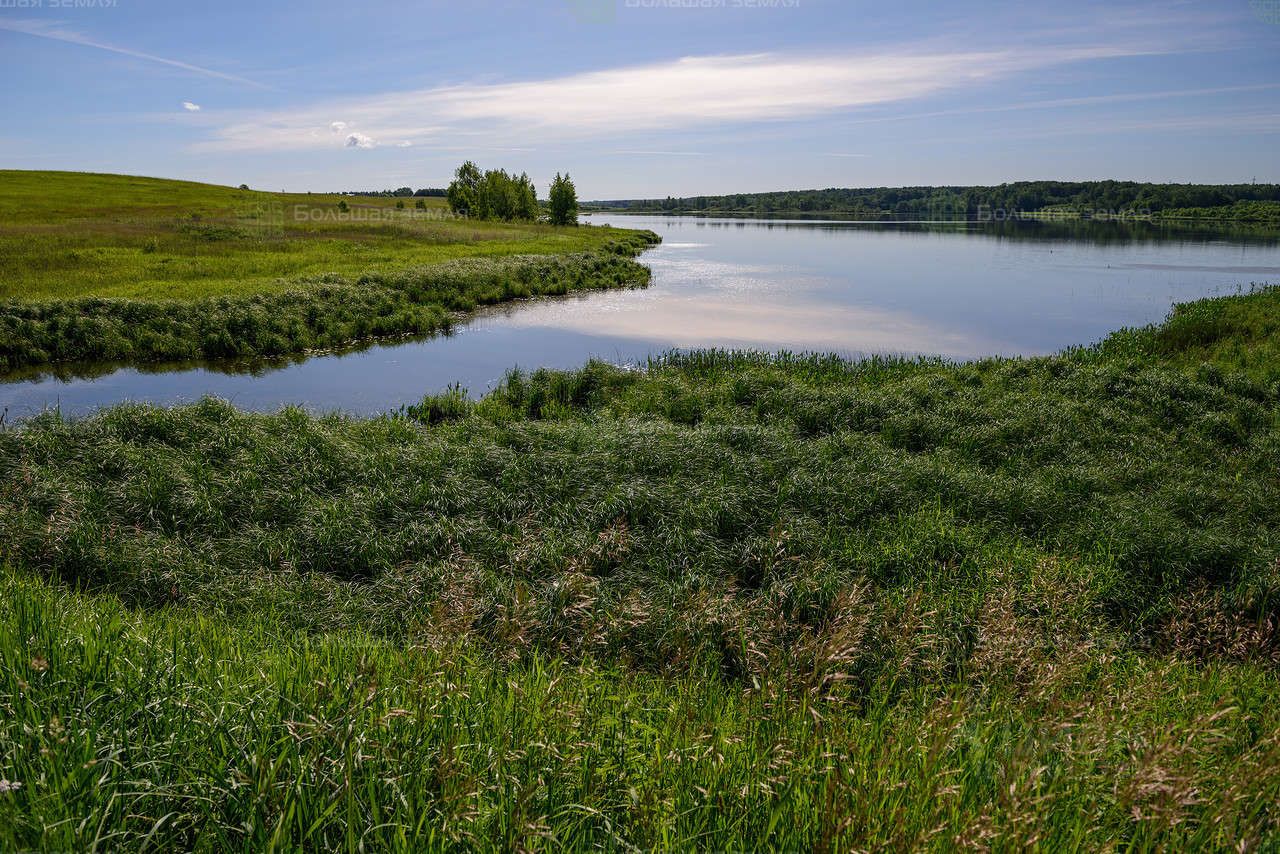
(1265, 213)
(172, 270)
(450, 406)
(464, 190)
(495, 195)
(731, 601)
(1088, 197)
(321, 313)
(152, 239)
(169, 729)
(563, 201)
(1240, 333)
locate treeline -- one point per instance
(498, 195)
(404, 192)
(1083, 197)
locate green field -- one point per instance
(67, 235)
(107, 268)
(731, 602)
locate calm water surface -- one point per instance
(962, 291)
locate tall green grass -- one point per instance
(730, 601)
(169, 729)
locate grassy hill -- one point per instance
(732, 602)
(111, 267)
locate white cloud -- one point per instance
(190, 107)
(359, 140)
(404, 143)
(337, 127)
(661, 96)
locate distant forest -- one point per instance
(1085, 198)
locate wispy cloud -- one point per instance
(190, 107)
(359, 140)
(46, 30)
(661, 96)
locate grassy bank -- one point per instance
(730, 601)
(1251, 213)
(109, 267)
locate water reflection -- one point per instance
(957, 289)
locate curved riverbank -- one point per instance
(322, 313)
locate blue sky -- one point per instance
(641, 98)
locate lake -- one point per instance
(960, 290)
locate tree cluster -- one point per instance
(497, 195)
(493, 194)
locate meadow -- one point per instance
(117, 268)
(730, 601)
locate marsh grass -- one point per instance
(322, 313)
(165, 729)
(731, 601)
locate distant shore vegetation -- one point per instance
(1230, 202)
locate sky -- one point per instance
(643, 98)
